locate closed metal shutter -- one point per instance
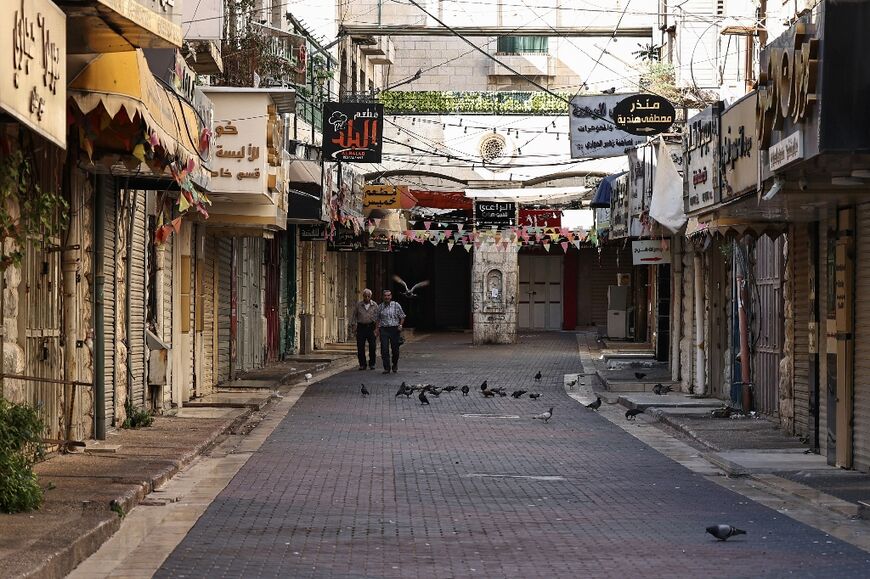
(861, 409)
(598, 271)
(803, 422)
(166, 291)
(110, 219)
(244, 356)
(224, 307)
(767, 327)
(258, 285)
(137, 287)
(209, 315)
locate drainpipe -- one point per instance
(700, 363)
(69, 270)
(743, 321)
(677, 317)
(132, 200)
(99, 314)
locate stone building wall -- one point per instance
(494, 286)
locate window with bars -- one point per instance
(523, 45)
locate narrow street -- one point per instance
(380, 486)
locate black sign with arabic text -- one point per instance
(352, 132)
(496, 214)
(312, 232)
(644, 114)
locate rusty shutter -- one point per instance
(767, 330)
(137, 299)
(800, 256)
(224, 306)
(106, 188)
(861, 408)
(208, 314)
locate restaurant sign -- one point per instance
(33, 66)
(594, 134)
(381, 197)
(495, 214)
(352, 132)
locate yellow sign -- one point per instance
(33, 66)
(381, 197)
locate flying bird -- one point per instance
(545, 416)
(595, 405)
(661, 389)
(363, 390)
(538, 376)
(639, 375)
(518, 393)
(465, 390)
(409, 293)
(535, 395)
(632, 414)
(724, 532)
(422, 397)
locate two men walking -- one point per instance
(384, 321)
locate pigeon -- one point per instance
(595, 405)
(535, 395)
(538, 376)
(484, 386)
(502, 393)
(724, 532)
(661, 389)
(449, 388)
(465, 390)
(409, 293)
(402, 390)
(435, 392)
(632, 414)
(423, 399)
(307, 376)
(363, 390)
(572, 383)
(488, 394)
(611, 90)
(498, 390)
(639, 375)
(518, 393)
(545, 416)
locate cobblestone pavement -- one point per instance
(348, 486)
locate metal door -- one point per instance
(540, 299)
(767, 323)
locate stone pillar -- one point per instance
(494, 286)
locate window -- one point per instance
(522, 44)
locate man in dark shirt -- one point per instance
(391, 316)
(365, 315)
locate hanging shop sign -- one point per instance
(352, 132)
(701, 178)
(738, 160)
(540, 218)
(644, 114)
(494, 214)
(786, 152)
(594, 134)
(381, 197)
(345, 238)
(33, 66)
(312, 232)
(649, 252)
(239, 163)
(379, 240)
(619, 207)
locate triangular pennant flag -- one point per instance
(176, 224)
(577, 243)
(371, 227)
(427, 225)
(377, 221)
(547, 245)
(183, 203)
(564, 245)
(467, 247)
(450, 244)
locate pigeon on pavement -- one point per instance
(363, 390)
(465, 390)
(595, 405)
(545, 416)
(538, 376)
(484, 386)
(501, 393)
(639, 375)
(572, 383)
(660, 389)
(401, 391)
(632, 414)
(422, 397)
(724, 532)
(518, 393)
(449, 388)
(488, 393)
(535, 395)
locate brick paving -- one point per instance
(384, 487)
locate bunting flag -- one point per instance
(450, 244)
(427, 225)
(467, 247)
(377, 221)
(564, 245)
(577, 243)
(547, 245)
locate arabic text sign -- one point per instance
(312, 232)
(496, 214)
(381, 197)
(593, 132)
(644, 114)
(352, 132)
(737, 160)
(649, 252)
(240, 149)
(701, 178)
(33, 68)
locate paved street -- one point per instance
(348, 486)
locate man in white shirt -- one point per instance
(365, 315)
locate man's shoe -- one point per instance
(386, 372)
(395, 369)
(371, 367)
(362, 368)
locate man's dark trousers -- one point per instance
(365, 333)
(389, 338)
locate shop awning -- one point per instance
(122, 80)
(731, 226)
(602, 194)
(304, 172)
(531, 195)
